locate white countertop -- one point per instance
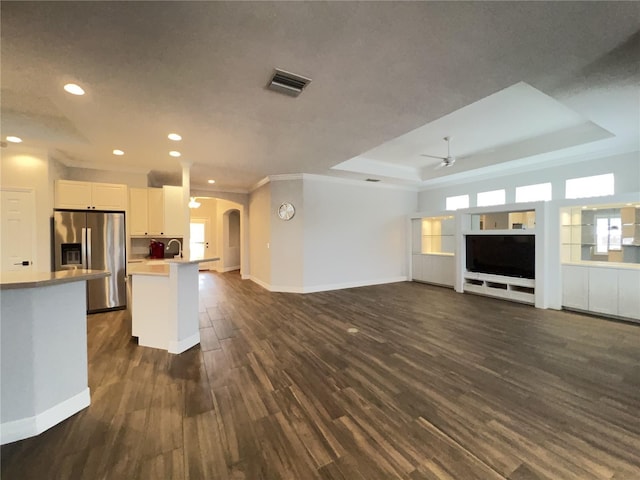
(595, 264)
(191, 260)
(161, 266)
(13, 280)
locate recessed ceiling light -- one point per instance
(175, 137)
(173, 153)
(118, 152)
(74, 89)
(211, 181)
(12, 139)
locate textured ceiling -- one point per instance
(379, 71)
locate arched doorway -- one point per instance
(231, 244)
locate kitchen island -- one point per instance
(164, 303)
(44, 372)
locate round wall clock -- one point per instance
(286, 211)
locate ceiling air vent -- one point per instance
(288, 83)
(372, 180)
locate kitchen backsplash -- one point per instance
(140, 247)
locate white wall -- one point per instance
(231, 240)
(138, 180)
(625, 167)
(354, 234)
(29, 168)
(260, 235)
(239, 198)
(287, 237)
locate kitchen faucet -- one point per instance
(179, 245)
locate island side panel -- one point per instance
(152, 309)
(60, 345)
(44, 357)
(184, 281)
(17, 389)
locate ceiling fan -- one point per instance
(447, 161)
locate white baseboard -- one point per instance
(325, 288)
(342, 286)
(259, 282)
(31, 426)
(229, 269)
(185, 344)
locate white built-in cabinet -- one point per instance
(73, 195)
(433, 245)
(600, 248)
(156, 212)
(438, 269)
(602, 289)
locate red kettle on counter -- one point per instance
(156, 249)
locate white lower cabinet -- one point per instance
(575, 287)
(603, 290)
(629, 293)
(606, 290)
(438, 269)
(416, 267)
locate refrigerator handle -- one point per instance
(83, 247)
(88, 247)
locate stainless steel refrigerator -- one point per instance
(93, 240)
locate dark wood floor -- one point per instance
(435, 385)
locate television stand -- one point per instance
(500, 286)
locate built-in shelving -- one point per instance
(509, 288)
(601, 233)
(507, 221)
(433, 249)
(438, 235)
(600, 254)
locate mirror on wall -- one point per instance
(601, 234)
(521, 220)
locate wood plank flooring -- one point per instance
(435, 385)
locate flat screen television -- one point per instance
(509, 255)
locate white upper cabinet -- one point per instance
(138, 215)
(146, 212)
(174, 211)
(156, 212)
(90, 196)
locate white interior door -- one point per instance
(199, 240)
(17, 224)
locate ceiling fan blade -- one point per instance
(440, 165)
(432, 156)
